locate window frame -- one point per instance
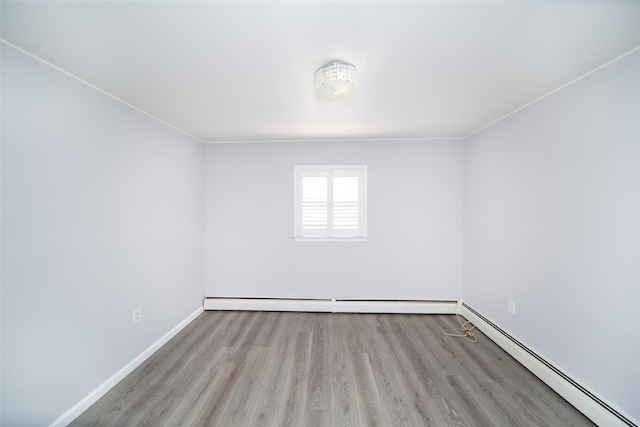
(329, 171)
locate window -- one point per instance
(330, 203)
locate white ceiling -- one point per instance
(243, 71)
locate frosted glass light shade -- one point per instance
(336, 80)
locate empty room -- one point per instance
(320, 213)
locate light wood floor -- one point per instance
(311, 369)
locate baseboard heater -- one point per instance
(592, 405)
(331, 305)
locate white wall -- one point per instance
(414, 222)
(552, 221)
(102, 212)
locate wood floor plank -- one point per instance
(432, 342)
(484, 406)
(542, 403)
(271, 322)
(430, 377)
(339, 349)
(272, 392)
(530, 410)
(184, 364)
(469, 359)
(195, 389)
(356, 333)
(343, 406)
(366, 391)
(293, 411)
(136, 410)
(213, 402)
(319, 386)
(314, 418)
(393, 398)
(238, 412)
(236, 369)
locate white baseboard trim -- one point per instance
(331, 305)
(103, 388)
(591, 404)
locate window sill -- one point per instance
(331, 239)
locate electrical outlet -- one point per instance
(137, 315)
(511, 307)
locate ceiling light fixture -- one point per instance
(336, 80)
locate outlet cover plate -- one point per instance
(511, 307)
(137, 315)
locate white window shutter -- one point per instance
(346, 203)
(314, 205)
(330, 201)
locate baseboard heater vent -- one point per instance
(585, 400)
(331, 305)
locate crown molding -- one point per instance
(92, 86)
(558, 89)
